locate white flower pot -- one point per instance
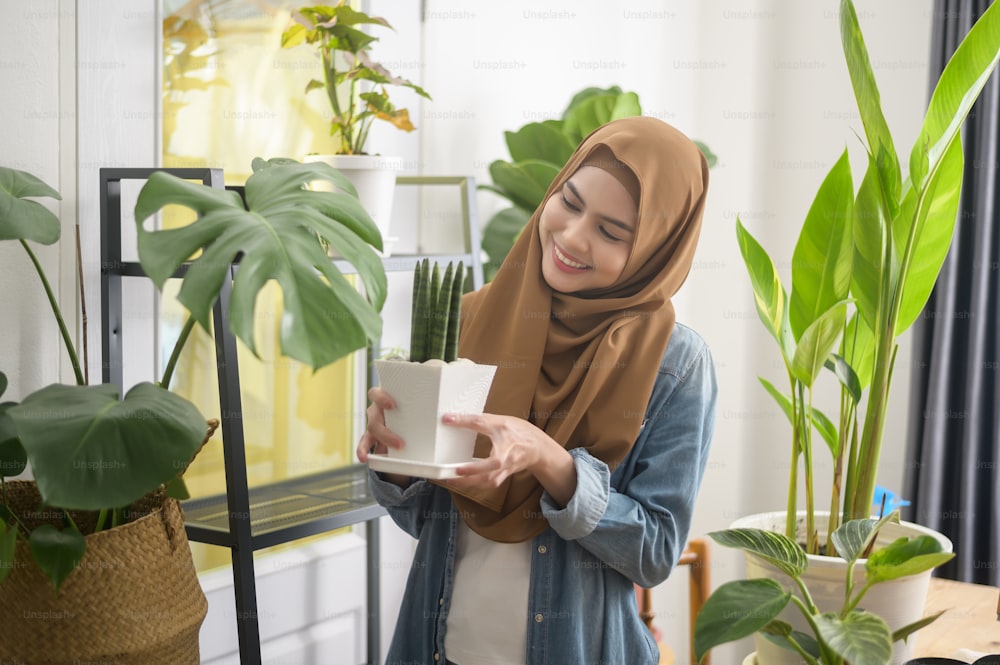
(374, 177)
(423, 393)
(899, 602)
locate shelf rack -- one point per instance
(246, 519)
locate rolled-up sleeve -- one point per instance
(586, 508)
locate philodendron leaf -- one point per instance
(8, 540)
(56, 552)
(853, 537)
(816, 343)
(859, 638)
(775, 548)
(821, 262)
(736, 610)
(20, 218)
(781, 633)
(905, 556)
(907, 630)
(324, 316)
(768, 292)
(90, 451)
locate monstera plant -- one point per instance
(92, 450)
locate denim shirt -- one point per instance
(622, 527)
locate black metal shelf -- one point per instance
(246, 519)
(288, 510)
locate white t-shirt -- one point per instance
(487, 621)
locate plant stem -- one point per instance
(69, 518)
(168, 371)
(808, 612)
(812, 546)
(102, 517)
(63, 330)
(793, 475)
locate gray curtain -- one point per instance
(954, 430)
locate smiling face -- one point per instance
(586, 230)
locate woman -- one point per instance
(594, 437)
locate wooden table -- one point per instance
(969, 621)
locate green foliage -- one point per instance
(864, 266)
(335, 31)
(88, 449)
(435, 311)
(538, 150)
(849, 635)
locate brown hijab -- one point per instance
(581, 366)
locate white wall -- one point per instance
(761, 81)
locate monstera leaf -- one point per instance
(275, 236)
(21, 219)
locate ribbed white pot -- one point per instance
(899, 602)
(374, 177)
(423, 393)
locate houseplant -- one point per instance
(100, 464)
(862, 269)
(847, 634)
(538, 150)
(335, 31)
(433, 381)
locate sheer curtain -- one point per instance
(954, 432)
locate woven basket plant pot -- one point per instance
(134, 599)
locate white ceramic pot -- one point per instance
(423, 393)
(751, 659)
(374, 177)
(900, 602)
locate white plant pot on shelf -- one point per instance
(899, 602)
(423, 393)
(374, 176)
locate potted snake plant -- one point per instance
(94, 540)
(862, 269)
(433, 381)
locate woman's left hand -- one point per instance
(517, 446)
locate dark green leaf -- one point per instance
(859, 638)
(91, 451)
(8, 541)
(177, 489)
(56, 552)
(525, 182)
(736, 610)
(3, 383)
(775, 548)
(880, 145)
(821, 262)
(13, 459)
(539, 141)
(903, 557)
(501, 232)
(20, 218)
(781, 633)
(324, 317)
(845, 374)
(907, 630)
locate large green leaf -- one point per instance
(276, 238)
(846, 375)
(859, 638)
(90, 451)
(22, 219)
(736, 610)
(500, 233)
(775, 548)
(870, 235)
(935, 219)
(956, 91)
(13, 459)
(596, 110)
(525, 182)
(821, 262)
(880, 144)
(8, 541)
(816, 343)
(541, 141)
(858, 349)
(905, 556)
(768, 293)
(781, 633)
(56, 552)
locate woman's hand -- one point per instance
(377, 437)
(517, 446)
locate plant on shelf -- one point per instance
(538, 150)
(101, 464)
(335, 30)
(849, 634)
(435, 312)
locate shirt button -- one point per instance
(539, 618)
(440, 601)
(437, 657)
(542, 549)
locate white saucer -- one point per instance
(414, 468)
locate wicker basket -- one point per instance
(134, 599)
